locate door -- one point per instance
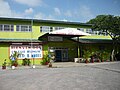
(65, 55)
(58, 55)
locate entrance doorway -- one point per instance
(61, 55)
(58, 55)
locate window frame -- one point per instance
(6, 28)
(46, 29)
(23, 28)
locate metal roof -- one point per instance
(88, 41)
(18, 40)
(47, 21)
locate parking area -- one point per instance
(104, 76)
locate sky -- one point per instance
(60, 10)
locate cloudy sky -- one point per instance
(70, 10)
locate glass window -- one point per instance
(6, 27)
(46, 29)
(58, 28)
(23, 28)
(1, 27)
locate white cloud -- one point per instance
(5, 9)
(39, 16)
(43, 16)
(32, 3)
(29, 11)
(68, 13)
(57, 11)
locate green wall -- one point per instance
(4, 52)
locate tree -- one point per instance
(111, 25)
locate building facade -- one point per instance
(22, 35)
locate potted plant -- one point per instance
(104, 55)
(46, 60)
(87, 55)
(4, 64)
(13, 59)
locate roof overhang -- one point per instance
(94, 41)
(49, 22)
(66, 33)
(4, 40)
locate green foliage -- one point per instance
(4, 64)
(87, 54)
(26, 62)
(107, 23)
(14, 63)
(45, 60)
(111, 25)
(13, 58)
(104, 55)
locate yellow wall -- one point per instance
(21, 35)
(4, 53)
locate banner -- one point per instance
(55, 38)
(26, 51)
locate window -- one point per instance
(58, 28)
(46, 29)
(1, 27)
(6, 27)
(49, 29)
(23, 28)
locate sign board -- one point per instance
(55, 38)
(26, 51)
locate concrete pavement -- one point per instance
(65, 65)
(97, 76)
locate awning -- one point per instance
(67, 32)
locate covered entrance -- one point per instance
(60, 43)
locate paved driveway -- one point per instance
(90, 77)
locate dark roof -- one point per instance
(47, 21)
(18, 40)
(94, 40)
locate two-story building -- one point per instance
(22, 35)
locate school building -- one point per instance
(30, 38)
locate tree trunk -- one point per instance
(112, 55)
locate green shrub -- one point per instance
(4, 64)
(26, 62)
(45, 60)
(13, 58)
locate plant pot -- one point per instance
(92, 61)
(33, 66)
(13, 67)
(86, 61)
(3, 67)
(98, 60)
(102, 60)
(15, 64)
(46, 63)
(50, 64)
